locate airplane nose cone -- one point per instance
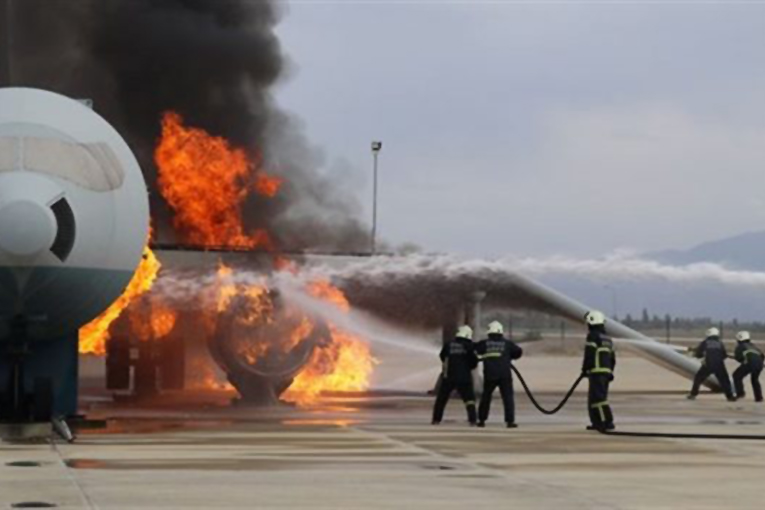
(26, 228)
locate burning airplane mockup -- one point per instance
(74, 220)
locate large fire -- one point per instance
(206, 181)
(153, 321)
(94, 336)
(344, 363)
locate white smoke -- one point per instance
(444, 274)
(620, 267)
(615, 267)
(352, 321)
(189, 290)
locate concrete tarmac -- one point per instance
(379, 451)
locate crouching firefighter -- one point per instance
(712, 353)
(751, 362)
(458, 359)
(497, 354)
(598, 366)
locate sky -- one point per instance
(538, 128)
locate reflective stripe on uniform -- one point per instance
(470, 403)
(491, 355)
(599, 406)
(598, 368)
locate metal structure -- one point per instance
(261, 381)
(6, 43)
(143, 366)
(643, 345)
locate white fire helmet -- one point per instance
(743, 336)
(465, 332)
(713, 332)
(495, 328)
(595, 318)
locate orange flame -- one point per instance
(324, 290)
(266, 185)
(153, 322)
(93, 336)
(206, 182)
(346, 364)
(207, 376)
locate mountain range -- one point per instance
(742, 252)
(745, 252)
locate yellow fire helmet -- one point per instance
(595, 318)
(495, 328)
(465, 332)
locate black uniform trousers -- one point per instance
(601, 415)
(738, 380)
(466, 391)
(719, 371)
(505, 390)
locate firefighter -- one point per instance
(598, 366)
(497, 354)
(458, 359)
(712, 353)
(751, 361)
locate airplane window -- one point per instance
(92, 166)
(8, 154)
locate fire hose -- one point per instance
(534, 400)
(737, 437)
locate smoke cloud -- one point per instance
(627, 268)
(212, 61)
(424, 291)
(420, 289)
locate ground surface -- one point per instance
(380, 452)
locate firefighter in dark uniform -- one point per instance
(598, 366)
(751, 362)
(712, 352)
(497, 354)
(458, 359)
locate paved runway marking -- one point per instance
(483, 469)
(72, 477)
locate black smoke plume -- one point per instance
(214, 62)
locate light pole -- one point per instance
(376, 148)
